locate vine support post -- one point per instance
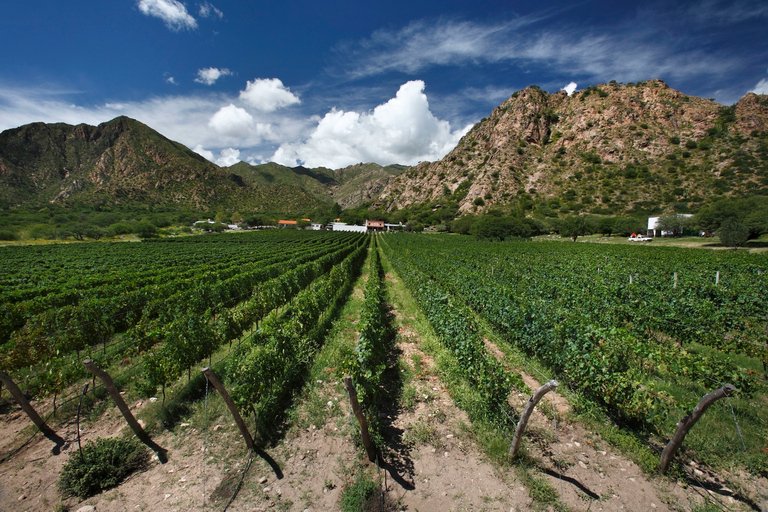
(25, 406)
(232, 407)
(369, 448)
(675, 285)
(717, 277)
(527, 411)
(109, 385)
(685, 424)
(765, 356)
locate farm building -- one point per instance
(374, 225)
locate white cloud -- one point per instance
(402, 130)
(208, 10)
(761, 87)
(208, 155)
(172, 12)
(171, 80)
(268, 94)
(227, 157)
(620, 52)
(208, 76)
(232, 120)
(570, 88)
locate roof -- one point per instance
(292, 222)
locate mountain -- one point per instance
(611, 148)
(123, 162)
(349, 187)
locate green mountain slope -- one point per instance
(125, 162)
(349, 187)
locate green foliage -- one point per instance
(362, 494)
(752, 212)
(103, 464)
(733, 233)
(574, 227)
(674, 224)
(502, 228)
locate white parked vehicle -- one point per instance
(640, 238)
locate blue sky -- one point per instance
(335, 83)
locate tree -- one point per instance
(628, 225)
(673, 224)
(606, 226)
(574, 227)
(733, 233)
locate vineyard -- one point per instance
(635, 336)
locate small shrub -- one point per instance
(8, 235)
(102, 465)
(360, 495)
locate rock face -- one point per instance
(120, 162)
(605, 149)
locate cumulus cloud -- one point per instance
(232, 120)
(268, 94)
(172, 12)
(227, 157)
(402, 130)
(208, 10)
(570, 88)
(208, 76)
(761, 87)
(171, 80)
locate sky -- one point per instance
(336, 83)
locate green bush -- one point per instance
(102, 465)
(360, 495)
(8, 235)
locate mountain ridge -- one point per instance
(607, 149)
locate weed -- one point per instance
(102, 465)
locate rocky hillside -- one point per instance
(124, 162)
(607, 149)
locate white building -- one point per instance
(343, 226)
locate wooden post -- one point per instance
(675, 285)
(520, 430)
(630, 278)
(19, 397)
(765, 356)
(232, 408)
(685, 424)
(717, 277)
(79, 405)
(115, 394)
(370, 450)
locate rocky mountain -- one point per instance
(610, 148)
(125, 162)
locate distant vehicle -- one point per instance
(639, 238)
